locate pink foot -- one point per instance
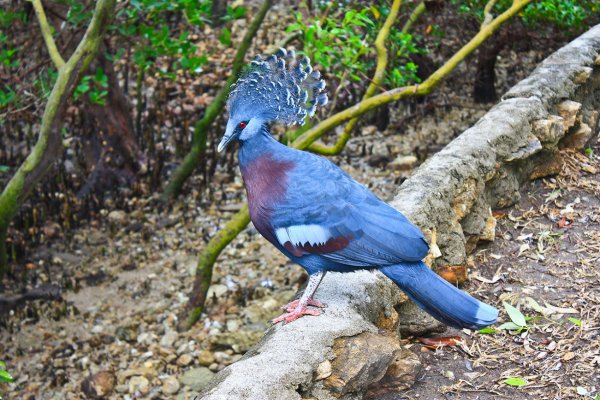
(312, 302)
(294, 315)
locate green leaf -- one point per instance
(5, 376)
(2, 365)
(487, 330)
(516, 382)
(511, 326)
(515, 315)
(3, 168)
(575, 321)
(225, 37)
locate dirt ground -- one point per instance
(546, 261)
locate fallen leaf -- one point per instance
(564, 224)
(441, 341)
(516, 382)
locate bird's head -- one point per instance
(280, 87)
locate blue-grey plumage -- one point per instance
(314, 212)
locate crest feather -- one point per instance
(281, 86)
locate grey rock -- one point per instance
(197, 378)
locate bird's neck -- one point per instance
(258, 146)
(265, 168)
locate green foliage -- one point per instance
(44, 82)
(564, 14)
(95, 86)
(4, 375)
(343, 43)
(164, 47)
(9, 17)
(7, 96)
(7, 59)
(516, 382)
(518, 320)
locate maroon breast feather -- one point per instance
(331, 246)
(266, 183)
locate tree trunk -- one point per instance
(484, 89)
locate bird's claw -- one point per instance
(294, 304)
(295, 314)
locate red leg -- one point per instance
(298, 308)
(311, 302)
(294, 315)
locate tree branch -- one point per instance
(382, 60)
(487, 13)
(193, 158)
(241, 218)
(47, 34)
(415, 90)
(49, 144)
(412, 18)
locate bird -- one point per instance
(313, 211)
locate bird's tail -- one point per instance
(439, 298)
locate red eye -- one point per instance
(242, 124)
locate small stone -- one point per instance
(99, 385)
(205, 358)
(359, 360)
(403, 163)
(550, 130)
(197, 378)
(169, 338)
(146, 338)
(117, 218)
(139, 384)
(400, 375)
(368, 130)
(323, 370)
(170, 385)
(578, 139)
(215, 291)
(568, 110)
(239, 341)
(184, 360)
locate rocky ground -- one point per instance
(545, 261)
(124, 278)
(131, 276)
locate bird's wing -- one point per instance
(328, 213)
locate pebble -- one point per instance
(403, 163)
(184, 360)
(168, 339)
(99, 385)
(170, 385)
(139, 384)
(206, 358)
(197, 378)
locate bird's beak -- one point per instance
(227, 137)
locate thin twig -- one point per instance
(47, 34)
(487, 13)
(412, 18)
